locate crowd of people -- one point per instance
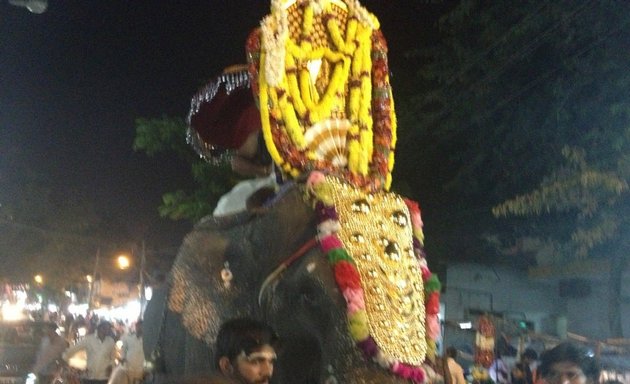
(245, 353)
(112, 355)
(566, 363)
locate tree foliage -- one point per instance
(503, 92)
(168, 135)
(525, 108)
(596, 198)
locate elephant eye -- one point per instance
(309, 293)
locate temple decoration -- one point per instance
(319, 70)
(484, 342)
(320, 74)
(373, 243)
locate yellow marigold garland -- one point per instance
(357, 59)
(264, 113)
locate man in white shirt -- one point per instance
(100, 350)
(50, 350)
(131, 368)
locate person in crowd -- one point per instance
(68, 320)
(49, 353)
(530, 364)
(229, 123)
(245, 351)
(455, 370)
(524, 371)
(204, 379)
(568, 364)
(244, 354)
(518, 375)
(93, 322)
(131, 367)
(498, 371)
(74, 332)
(100, 349)
(250, 160)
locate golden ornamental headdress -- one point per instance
(320, 71)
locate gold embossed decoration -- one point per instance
(376, 231)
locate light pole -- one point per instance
(124, 262)
(142, 267)
(90, 281)
(93, 280)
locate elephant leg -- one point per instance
(164, 339)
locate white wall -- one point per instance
(499, 289)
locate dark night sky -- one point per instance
(74, 79)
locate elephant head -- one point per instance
(307, 309)
(223, 271)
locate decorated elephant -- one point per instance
(335, 261)
(228, 267)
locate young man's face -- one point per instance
(565, 372)
(255, 368)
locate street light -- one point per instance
(123, 262)
(38, 279)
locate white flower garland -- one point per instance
(318, 6)
(363, 15)
(275, 32)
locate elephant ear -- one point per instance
(196, 288)
(252, 244)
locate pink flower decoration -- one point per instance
(314, 178)
(414, 211)
(426, 274)
(354, 299)
(416, 220)
(408, 372)
(433, 327)
(330, 242)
